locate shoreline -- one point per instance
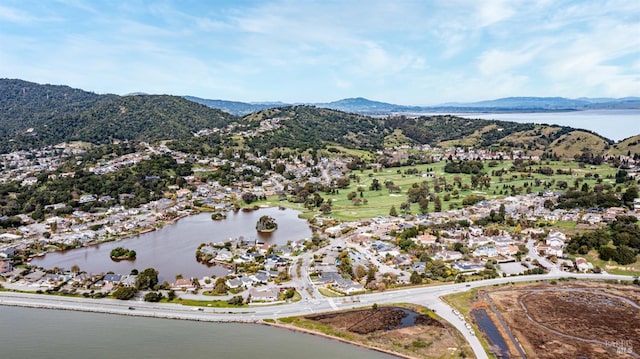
(123, 310)
(327, 336)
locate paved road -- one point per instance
(427, 296)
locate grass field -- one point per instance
(379, 203)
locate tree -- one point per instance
(124, 293)
(629, 195)
(147, 279)
(393, 212)
(221, 286)
(415, 278)
(249, 197)
(153, 297)
(236, 300)
(75, 268)
(437, 205)
(360, 272)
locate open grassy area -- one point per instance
(379, 203)
(329, 293)
(612, 267)
(203, 303)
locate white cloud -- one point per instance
(494, 62)
(493, 11)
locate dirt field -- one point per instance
(408, 332)
(569, 320)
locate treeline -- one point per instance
(620, 241)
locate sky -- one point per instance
(403, 52)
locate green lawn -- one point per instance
(380, 202)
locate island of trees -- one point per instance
(120, 253)
(266, 224)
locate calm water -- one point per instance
(172, 249)
(612, 124)
(44, 333)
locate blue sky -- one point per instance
(405, 52)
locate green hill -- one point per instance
(33, 115)
(303, 127)
(41, 115)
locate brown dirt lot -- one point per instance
(589, 320)
(424, 337)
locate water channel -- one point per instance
(171, 249)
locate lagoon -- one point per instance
(171, 249)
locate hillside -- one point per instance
(303, 127)
(625, 147)
(40, 115)
(577, 142)
(434, 130)
(26, 104)
(35, 115)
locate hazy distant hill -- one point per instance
(549, 104)
(235, 107)
(510, 104)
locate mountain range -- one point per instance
(368, 107)
(34, 116)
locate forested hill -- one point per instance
(33, 116)
(26, 104)
(303, 127)
(38, 115)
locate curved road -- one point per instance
(426, 296)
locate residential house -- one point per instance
(449, 255)
(224, 255)
(234, 283)
(270, 294)
(555, 242)
(184, 284)
(486, 251)
(112, 278)
(582, 265)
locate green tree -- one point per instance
(147, 279)
(415, 278)
(153, 297)
(124, 293)
(393, 212)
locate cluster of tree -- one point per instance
(588, 199)
(122, 253)
(464, 166)
(266, 224)
(145, 280)
(619, 242)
